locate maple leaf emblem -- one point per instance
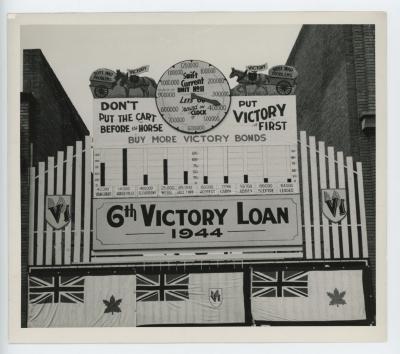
(112, 305)
(337, 297)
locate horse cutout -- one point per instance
(251, 81)
(249, 78)
(146, 84)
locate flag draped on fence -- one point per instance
(208, 298)
(195, 298)
(307, 295)
(82, 301)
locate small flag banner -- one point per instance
(140, 70)
(196, 298)
(82, 301)
(254, 68)
(307, 295)
(204, 298)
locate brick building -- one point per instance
(49, 122)
(336, 97)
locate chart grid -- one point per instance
(234, 169)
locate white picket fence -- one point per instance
(71, 174)
(325, 239)
(71, 245)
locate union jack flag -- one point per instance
(52, 289)
(162, 287)
(280, 284)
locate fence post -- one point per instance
(361, 202)
(332, 184)
(68, 191)
(49, 229)
(306, 195)
(40, 216)
(352, 203)
(315, 198)
(59, 191)
(78, 201)
(343, 223)
(322, 176)
(87, 199)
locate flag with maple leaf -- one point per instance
(320, 296)
(88, 301)
(211, 298)
(337, 298)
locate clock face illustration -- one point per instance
(193, 96)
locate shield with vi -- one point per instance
(215, 296)
(334, 204)
(58, 210)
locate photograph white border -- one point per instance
(164, 335)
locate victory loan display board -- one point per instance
(194, 166)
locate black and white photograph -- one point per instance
(199, 174)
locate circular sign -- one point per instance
(193, 96)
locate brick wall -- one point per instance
(336, 89)
(322, 101)
(360, 43)
(56, 123)
(363, 46)
(49, 122)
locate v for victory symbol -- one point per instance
(215, 296)
(58, 210)
(334, 204)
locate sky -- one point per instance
(75, 51)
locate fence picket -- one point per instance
(332, 185)
(68, 191)
(315, 198)
(87, 198)
(322, 176)
(352, 203)
(361, 204)
(343, 223)
(40, 224)
(59, 191)
(78, 201)
(306, 195)
(49, 229)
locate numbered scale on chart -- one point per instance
(189, 171)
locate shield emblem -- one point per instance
(334, 204)
(215, 296)
(58, 210)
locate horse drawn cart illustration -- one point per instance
(105, 83)
(280, 80)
